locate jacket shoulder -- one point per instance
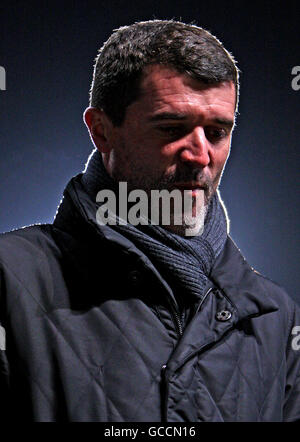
(28, 254)
(29, 267)
(28, 241)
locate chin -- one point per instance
(191, 225)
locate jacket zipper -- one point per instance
(164, 367)
(179, 321)
(176, 316)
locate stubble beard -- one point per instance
(193, 218)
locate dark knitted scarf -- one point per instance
(184, 262)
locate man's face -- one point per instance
(175, 136)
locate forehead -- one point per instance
(163, 87)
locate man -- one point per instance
(110, 320)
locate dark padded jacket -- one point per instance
(92, 332)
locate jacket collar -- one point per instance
(243, 286)
(77, 214)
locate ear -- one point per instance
(99, 127)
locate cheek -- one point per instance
(220, 156)
(218, 163)
(170, 153)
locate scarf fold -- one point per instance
(184, 262)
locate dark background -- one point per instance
(48, 49)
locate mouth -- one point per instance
(198, 191)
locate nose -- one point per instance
(196, 148)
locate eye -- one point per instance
(172, 131)
(215, 134)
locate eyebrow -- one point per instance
(180, 117)
(224, 122)
(167, 116)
